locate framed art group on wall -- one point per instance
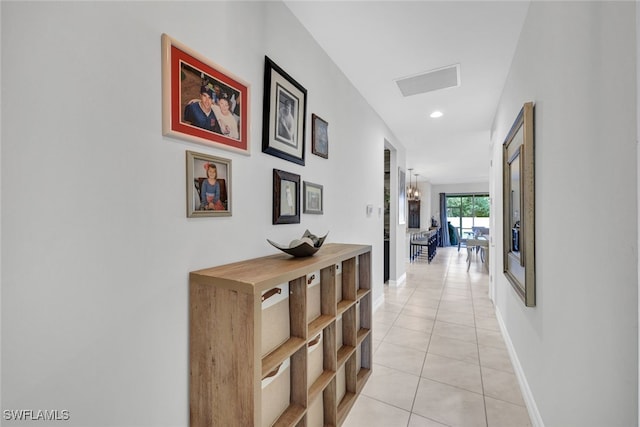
(202, 102)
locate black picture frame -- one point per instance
(286, 197)
(319, 136)
(284, 115)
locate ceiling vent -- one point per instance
(429, 81)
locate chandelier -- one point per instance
(412, 192)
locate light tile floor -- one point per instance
(439, 357)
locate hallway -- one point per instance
(439, 358)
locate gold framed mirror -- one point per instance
(519, 206)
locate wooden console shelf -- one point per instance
(280, 341)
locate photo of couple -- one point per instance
(209, 104)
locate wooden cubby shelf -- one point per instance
(320, 384)
(273, 359)
(345, 405)
(280, 341)
(290, 416)
(318, 324)
(344, 352)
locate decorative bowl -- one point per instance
(307, 245)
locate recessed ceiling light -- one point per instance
(436, 114)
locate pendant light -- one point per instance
(412, 192)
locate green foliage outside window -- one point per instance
(469, 206)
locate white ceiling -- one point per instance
(375, 43)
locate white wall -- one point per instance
(426, 206)
(577, 350)
(96, 248)
(638, 162)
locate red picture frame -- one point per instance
(194, 91)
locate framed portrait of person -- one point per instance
(208, 185)
(284, 112)
(201, 101)
(286, 197)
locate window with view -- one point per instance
(466, 211)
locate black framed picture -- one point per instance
(286, 197)
(284, 112)
(319, 137)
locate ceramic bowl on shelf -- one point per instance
(307, 245)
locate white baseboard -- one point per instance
(527, 395)
(398, 282)
(378, 303)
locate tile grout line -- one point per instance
(442, 286)
(475, 328)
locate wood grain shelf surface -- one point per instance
(344, 353)
(275, 269)
(286, 350)
(320, 384)
(318, 324)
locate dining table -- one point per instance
(480, 246)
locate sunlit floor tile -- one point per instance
(495, 358)
(415, 323)
(501, 385)
(455, 331)
(504, 414)
(374, 413)
(392, 386)
(402, 358)
(419, 421)
(386, 316)
(408, 338)
(449, 405)
(420, 311)
(463, 318)
(455, 349)
(453, 372)
(490, 338)
(488, 323)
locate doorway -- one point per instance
(387, 211)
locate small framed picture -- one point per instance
(208, 185)
(284, 112)
(319, 137)
(312, 198)
(201, 101)
(286, 197)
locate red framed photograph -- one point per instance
(201, 101)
